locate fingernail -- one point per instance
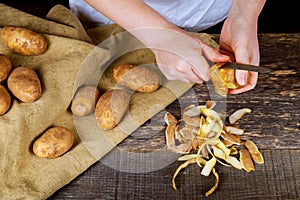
(242, 79)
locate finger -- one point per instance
(194, 77)
(201, 68)
(186, 75)
(214, 54)
(253, 76)
(185, 70)
(228, 53)
(195, 68)
(182, 78)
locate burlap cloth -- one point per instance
(70, 61)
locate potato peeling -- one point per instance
(223, 79)
(203, 139)
(238, 114)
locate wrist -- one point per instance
(246, 9)
(163, 37)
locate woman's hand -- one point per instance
(238, 39)
(187, 62)
(179, 54)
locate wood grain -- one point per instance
(269, 181)
(273, 125)
(275, 117)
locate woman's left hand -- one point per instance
(239, 40)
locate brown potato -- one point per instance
(110, 108)
(24, 84)
(5, 100)
(5, 67)
(84, 101)
(137, 78)
(23, 41)
(54, 142)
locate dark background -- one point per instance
(276, 17)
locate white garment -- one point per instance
(193, 15)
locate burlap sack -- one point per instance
(71, 60)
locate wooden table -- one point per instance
(274, 125)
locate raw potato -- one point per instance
(54, 142)
(84, 101)
(228, 76)
(219, 85)
(110, 108)
(223, 79)
(137, 78)
(23, 41)
(24, 84)
(5, 100)
(5, 67)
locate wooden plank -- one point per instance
(278, 178)
(273, 125)
(275, 119)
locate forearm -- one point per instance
(249, 9)
(130, 14)
(178, 53)
(139, 19)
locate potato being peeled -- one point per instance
(23, 41)
(5, 67)
(137, 78)
(84, 101)
(228, 76)
(24, 84)
(5, 100)
(110, 108)
(54, 142)
(223, 79)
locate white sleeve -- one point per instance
(88, 15)
(194, 15)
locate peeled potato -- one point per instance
(84, 101)
(23, 41)
(228, 76)
(110, 108)
(5, 100)
(137, 78)
(223, 79)
(5, 67)
(54, 142)
(24, 84)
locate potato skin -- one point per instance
(5, 67)
(110, 108)
(5, 100)
(85, 100)
(137, 78)
(23, 41)
(24, 84)
(54, 142)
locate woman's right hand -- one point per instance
(179, 54)
(187, 60)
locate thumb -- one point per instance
(242, 76)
